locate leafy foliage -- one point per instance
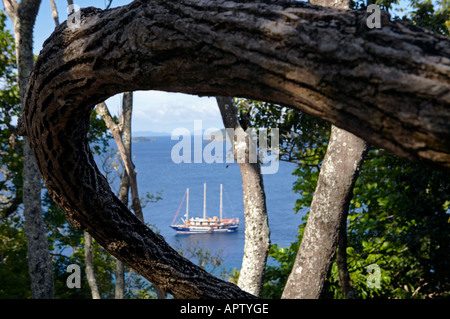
(10, 145)
(434, 16)
(295, 129)
(400, 221)
(14, 279)
(199, 255)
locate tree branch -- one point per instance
(11, 7)
(54, 12)
(129, 166)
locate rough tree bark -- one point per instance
(329, 207)
(389, 86)
(326, 225)
(23, 16)
(257, 232)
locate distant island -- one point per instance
(217, 136)
(151, 133)
(143, 139)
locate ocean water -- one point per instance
(156, 171)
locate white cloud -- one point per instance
(153, 110)
(163, 111)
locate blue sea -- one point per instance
(157, 172)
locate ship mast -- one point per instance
(204, 201)
(220, 202)
(187, 205)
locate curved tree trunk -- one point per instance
(323, 61)
(23, 15)
(257, 232)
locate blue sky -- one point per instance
(153, 110)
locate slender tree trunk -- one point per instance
(125, 132)
(89, 260)
(257, 232)
(329, 208)
(341, 259)
(119, 291)
(102, 109)
(54, 12)
(23, 15)
(124, 146)
(289, 53)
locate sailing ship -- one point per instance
(206, 224)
